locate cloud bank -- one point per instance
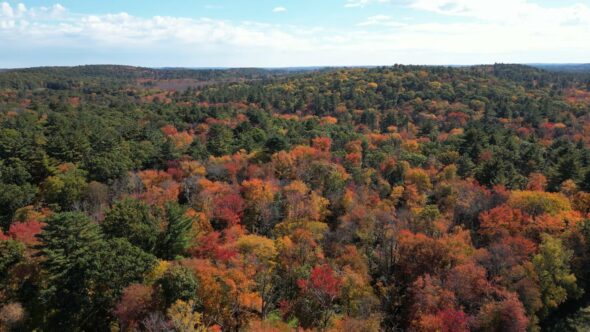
(483, 32)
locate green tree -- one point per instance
(120, 264)
(198, 150)
(13, 197)
(132, 219)
(85, 273)
(552, 265)
(585, 183)
(175, 238)
(11, 252)
(220, 140)
(275, 144)
(68, 246)
(568, 168)
(178, 283)
(109, 165)
(66, 188)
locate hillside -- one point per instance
(394, 198)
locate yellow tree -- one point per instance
(184, 318)
(260, 212)
(260, 253)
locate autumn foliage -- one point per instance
(359, 199)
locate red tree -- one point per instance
(228, 209)
(25, 231)
(136, 302)
(322, 282)
(447, 320)
(503, 220)
(507, 315)
(322, 289)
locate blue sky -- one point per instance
(279, 33)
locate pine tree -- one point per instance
(68, 247)
(175, 239)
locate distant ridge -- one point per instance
(62, 77)
(98, 70)
(564, 67)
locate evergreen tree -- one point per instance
(175, 239)
(68, 246)
(132, 219)
(178, 283)
(220, 140)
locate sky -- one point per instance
(292, 33)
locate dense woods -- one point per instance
(398, 198)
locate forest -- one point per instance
(400, 198)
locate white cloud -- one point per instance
(21, 9)
(279, 9)
(55, 26)
(380, 20)
(54, 12)
(6, 10)
(507, 11)
(58, 10)
(517, 32)
(362, 3)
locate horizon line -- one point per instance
(295, 66)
